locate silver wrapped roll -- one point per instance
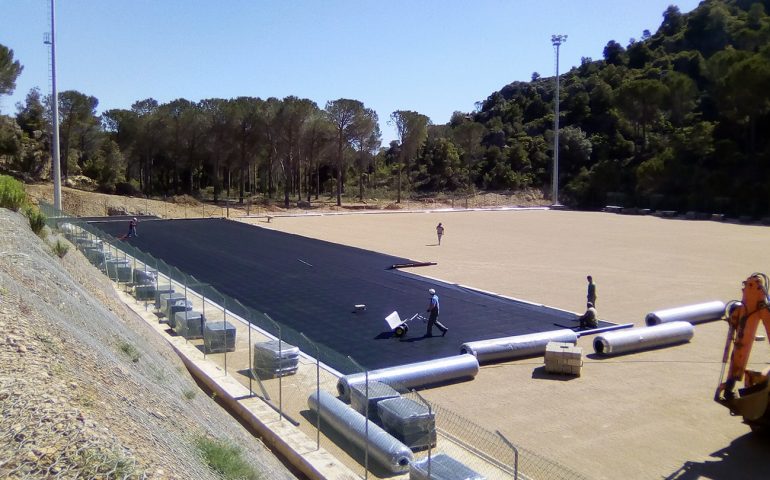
(415, 375)
(383, 447)
(697, 313)
(519, 346)
(635, 339)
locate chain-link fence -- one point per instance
(290, 373)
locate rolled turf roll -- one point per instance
(415, 375)
(696, 313)
(519, 346)
(636, 339)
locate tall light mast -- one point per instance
(55, 115)
(556, 40)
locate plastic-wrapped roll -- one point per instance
(384, 449)
(519, 346)
(697, 313)
(635, 339)
(415, 375)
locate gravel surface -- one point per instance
(640, 416)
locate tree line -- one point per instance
(673, 120)
(235, 147)
(677, 119)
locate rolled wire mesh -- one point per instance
(385, 449)
(287, 394)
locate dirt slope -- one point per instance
(87, 390)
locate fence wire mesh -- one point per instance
(283, 367)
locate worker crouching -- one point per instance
(590, 318)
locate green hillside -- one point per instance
(675, 120)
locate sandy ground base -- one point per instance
(644, 415)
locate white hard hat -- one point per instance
(431, 291)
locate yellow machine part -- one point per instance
(752, 404)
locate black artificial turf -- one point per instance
(312, 287)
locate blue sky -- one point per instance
(431, 56)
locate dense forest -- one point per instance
(677, 120)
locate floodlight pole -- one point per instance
(556, 40)
(55, 116)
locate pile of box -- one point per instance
(563, 358)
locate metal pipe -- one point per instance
(415, 375)
(635, 339)
(385, 449)
(697, 313)
(519, 346)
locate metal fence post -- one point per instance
(430, 436)
(366, 418)
(252, 372)
(515, 454)
(224, 330)
(317, 390)
(280, 377)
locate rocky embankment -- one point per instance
(87, 390)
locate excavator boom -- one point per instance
(744, 318)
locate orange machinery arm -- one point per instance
(744, 320)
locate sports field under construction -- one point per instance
(644, 415)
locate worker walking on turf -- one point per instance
(439, 232)
(591, 293)
(433, 310)
(132, 228)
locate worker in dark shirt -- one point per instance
(439, 232)
(132, 228)
(591, 293)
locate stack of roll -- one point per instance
(409, 421)
(175, 306)
(361, 397)
(164, 299)
(218, 337)
(274, 359)
(188, 324)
